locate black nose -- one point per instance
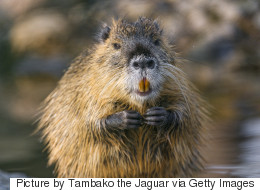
(142, 64)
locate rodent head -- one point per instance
(139, 52)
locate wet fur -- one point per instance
(92, 89)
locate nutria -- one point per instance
(125, 109)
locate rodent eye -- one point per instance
(116, 45)
(157, 42)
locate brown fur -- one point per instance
(91, 90)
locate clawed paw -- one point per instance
(156, 116)
(131, 119)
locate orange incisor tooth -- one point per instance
(146, 85)
(141, 86)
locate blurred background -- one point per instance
(218, 39)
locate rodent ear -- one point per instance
(104, 33)
(157, 26)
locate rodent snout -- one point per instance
(143, 64)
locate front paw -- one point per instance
(127, 119)
(157, 116)
(131, 119)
